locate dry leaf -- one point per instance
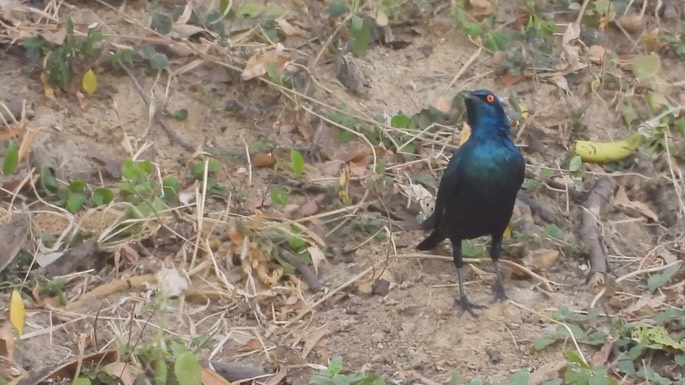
(542, 259)
(17, 312)
(263, 159)
(125, 372)
(315, 337)
(480, 8)
(631, 23)
(317, 257)
(7, 348)
(330, 168)
(289, 29)
(621, 199)
(250, 346)
(171, 282)
(210, 377)
(547, 372)
(596, 53)
(508, 79)
(309, 208)
(259, 63)
(602, 356)
(381, 18)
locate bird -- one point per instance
(478, 189)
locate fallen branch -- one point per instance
(307, 274)
(538, 208)
(590, 232)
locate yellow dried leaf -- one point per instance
(89, 82)
(17, 312)
(344, 185)
(47, 88)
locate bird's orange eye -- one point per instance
(490, 98)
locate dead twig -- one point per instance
(590, 231)
(307, 273)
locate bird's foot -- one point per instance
(498, 290)
(466, 306)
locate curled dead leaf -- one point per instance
(596, 54)
(263, 159)
(621, 199)
(633, 24)
(259, 63)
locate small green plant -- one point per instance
(676, 41)
(61, 62)
(140, 188)
(73, 196)
(333, 375)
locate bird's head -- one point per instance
(484, 111)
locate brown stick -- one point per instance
(538, 207)
(307, 273)
(590, 233)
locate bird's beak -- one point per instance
(469, 96)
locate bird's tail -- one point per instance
(431, 241)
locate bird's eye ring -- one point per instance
(490, 98)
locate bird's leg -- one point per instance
(465, 304)
(495, 250)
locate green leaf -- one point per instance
(542, 342)
(181, 114)
(335, 365)
(102, 196)
(572, 356)
(498, 41)
(646, 67)
(77, 185)
(356, 23)
(337, 8)
(250, 9)
(401, 121)
(361, 38)
(575, 164)
(519, 378)
(81, 381)
(658, 280)
(9, 166)
(161, 23)
(161, 372)
(158, 61)
(48, 181)
(279, 196)
(75, 202)
(298, 162)
(171, 186)
(187, 369)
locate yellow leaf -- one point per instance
(507, 230)
(17, 311)
(89, 82)
(345, 185)
(47, 88)
(465, 134)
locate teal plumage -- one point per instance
(478, 190)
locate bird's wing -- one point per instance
(449, 185)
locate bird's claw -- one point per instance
(466, 306)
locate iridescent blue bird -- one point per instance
(478, 190)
